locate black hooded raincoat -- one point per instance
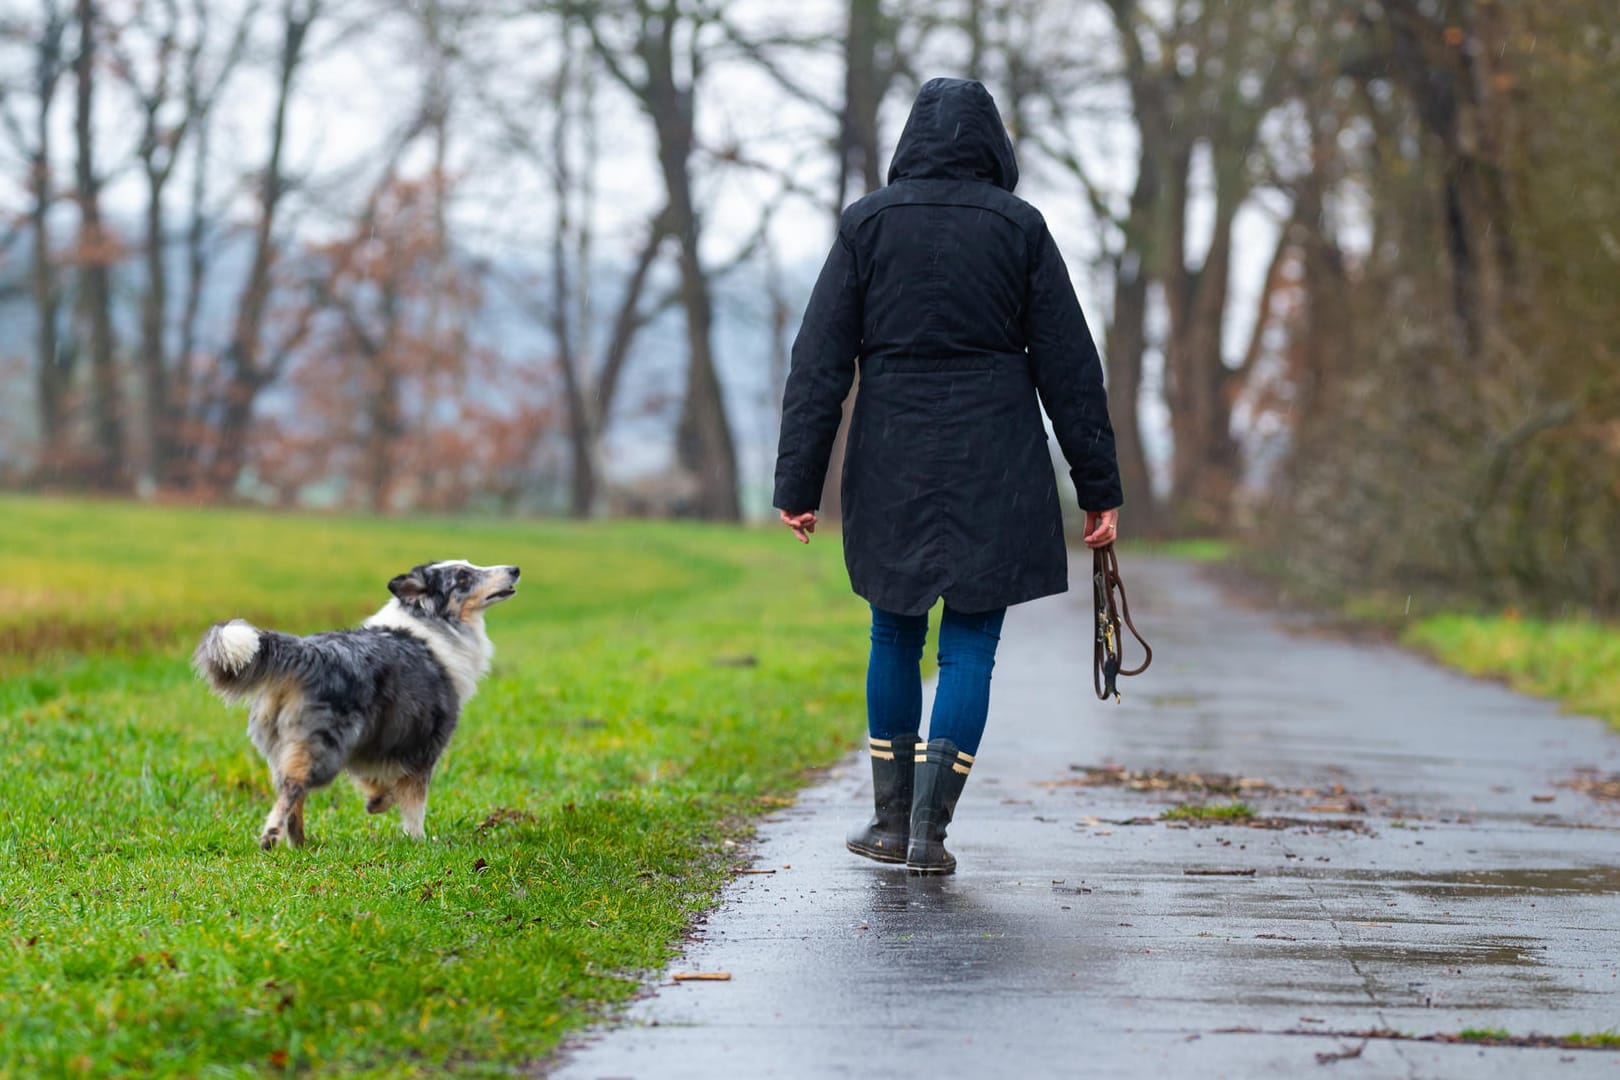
(948, 292)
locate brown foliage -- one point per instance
(1460, 437)
(398, 408)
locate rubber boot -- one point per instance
(884, 837)
(942, 770)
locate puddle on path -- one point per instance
(1584, 880)
(1454, 956)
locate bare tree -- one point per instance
(567, 151)
(96, 253)
(1202, 79)
(250, 362)
(662, 67)
(31, 137)
(173, 102)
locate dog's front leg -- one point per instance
(379, 794)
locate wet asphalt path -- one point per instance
(1071, 944)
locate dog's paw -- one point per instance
(295, 832)
(269, 838)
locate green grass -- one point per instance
(1597, 1040)
(654, 686)
(1572, 661)
(1189, 549)
(1232, 811)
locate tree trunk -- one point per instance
(108, 472)
(385, 422)
(1127, 344)
(865, 86)
(582, 481)
(160, 425)
(245, 374)
(1125, 347)
(1451, 89)
(703, 442)
(864, 89)
(1204, 458)
(184, 392)
(54, 365)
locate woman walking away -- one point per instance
(948, 293)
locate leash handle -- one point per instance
(1113, 610)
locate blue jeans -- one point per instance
(967, 654)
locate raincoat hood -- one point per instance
(955, 132)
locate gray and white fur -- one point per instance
(379, 702)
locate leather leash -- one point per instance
(1106, 653)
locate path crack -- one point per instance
(1349, 958)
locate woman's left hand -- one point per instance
(1102, 527)
(802, 524)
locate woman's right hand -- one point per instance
(802, 524)
(1102, 527)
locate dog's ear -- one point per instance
(411, 588)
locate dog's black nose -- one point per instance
(517, 572)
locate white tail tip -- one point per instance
(238, 644)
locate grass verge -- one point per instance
(1571, 661)
(654, 686)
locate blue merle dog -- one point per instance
(379, 702)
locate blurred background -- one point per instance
(1350, 262)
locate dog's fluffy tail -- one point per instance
(235, 658)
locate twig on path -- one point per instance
(1344, 1054)
(1209, 872)
(701, 976)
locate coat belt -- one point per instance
(941, 365)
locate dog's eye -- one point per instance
(463, 578)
